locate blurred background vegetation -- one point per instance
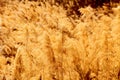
(72, 6)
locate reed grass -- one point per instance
(43, 43)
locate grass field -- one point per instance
(43, 43)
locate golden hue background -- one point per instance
(40, 41)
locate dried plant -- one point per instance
(38, 41)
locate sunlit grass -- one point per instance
(43, 43)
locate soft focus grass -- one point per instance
(42, 43)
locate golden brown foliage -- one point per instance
(42, 43)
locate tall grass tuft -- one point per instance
(38, 41)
